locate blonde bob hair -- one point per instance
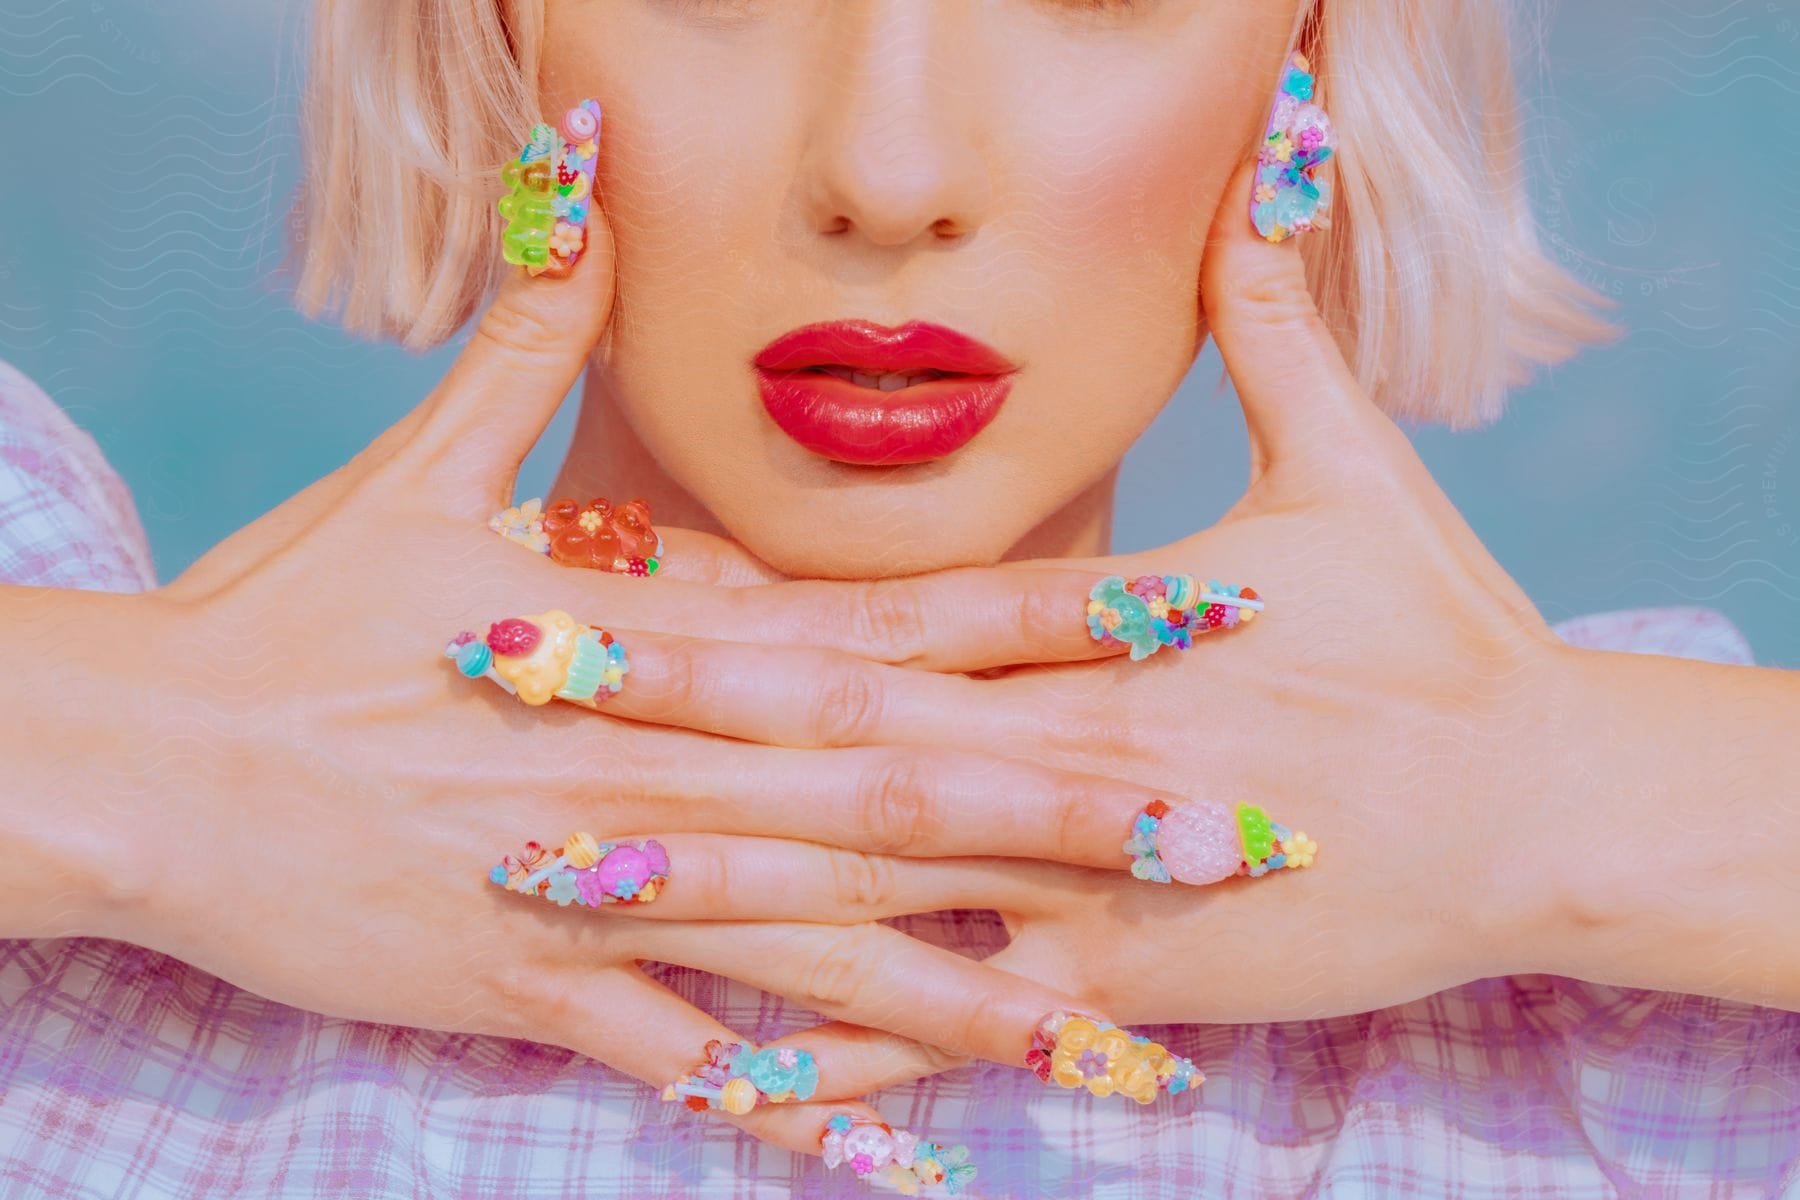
(1431, 274)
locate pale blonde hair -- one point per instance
(1431, 275)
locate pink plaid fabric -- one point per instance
(125, 1073)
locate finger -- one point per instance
(960, 619)
(803, 696)
(1300, 398)
(715, 877)
(919, 802)
(636, 1025)
(875, 976)
(501, 392)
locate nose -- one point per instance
(895, 153)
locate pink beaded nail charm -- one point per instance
(587, 871)
(1205, 842)
(1290, 195)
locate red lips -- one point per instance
(851, 423)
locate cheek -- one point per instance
(1122, 203)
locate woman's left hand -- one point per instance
(1397, 701)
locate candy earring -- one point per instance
(596, 534)
(1205, 842)
(1153, 611)
(543, 656)
(1289, 195)
(548, 191)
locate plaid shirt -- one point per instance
(126, 1073)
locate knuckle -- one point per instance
(683, 683)
(1102, 731)
(936, 1059)
(888, 622)
(834, 979)
(1276, 297)
(893, 804)
(863, 885)
(1046, 606)
(1065, 800)
(514, 330)
(847, 706)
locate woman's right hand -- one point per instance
(313, 796)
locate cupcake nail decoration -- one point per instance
(544, 656)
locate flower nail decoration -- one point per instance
(1290, 196)
(1153, 611)
(1204, 842)
(880, 1153)
(597, 534)
(586, 871)
(736, 1077)
(1073, 1051)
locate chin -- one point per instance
(857, 545)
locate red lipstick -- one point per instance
(834, 388)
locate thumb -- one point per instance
(525, 353)
(1299, 395)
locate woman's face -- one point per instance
(1036, 175)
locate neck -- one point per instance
(607, 459)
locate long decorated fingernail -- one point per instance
(544, 656)
(1205, 841)
(1153, 611)
(596, 534)
(736, 1077)
(1290, 196)
(880, 1153)
(548, 192)
(1074, 1051)
(585, 870)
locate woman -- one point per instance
(766, 167)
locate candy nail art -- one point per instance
(1073, 1051)
(585, 870)
(1153, 611)
(736, 1077)
(596, 534)
(881, 1153)
(548, 192)
(1290, 196)
(546, 655)
(1205, 841)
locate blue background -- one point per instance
(151, 149)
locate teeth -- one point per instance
(891, 381)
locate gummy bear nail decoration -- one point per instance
(880, 1153)
(597, 534)
(584, 870)
(1289, 195)
(1153, 611)
(1205, 841)
(1073, 1051)
(545, 655)
(736, 1077)
(548, 191)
